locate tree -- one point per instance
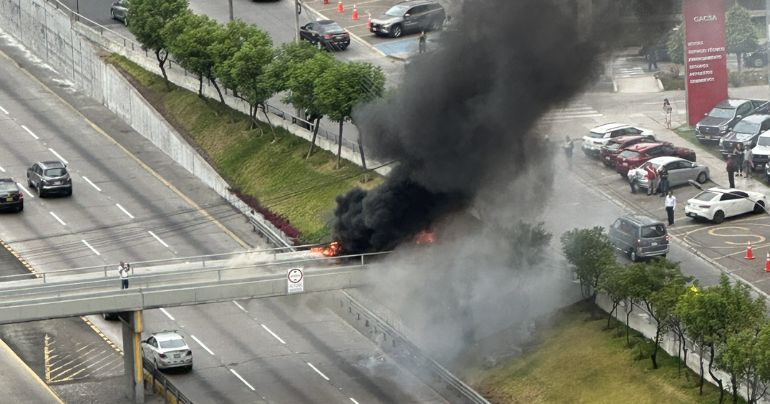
(229, 41)
(592, 254)
(247, 68)
(148, 17)
(615, 284)
(691, 312)
(746, 354)
(741, 36)
(286, 56)
(301, 82)
(189, 38)
(675, 45)
(342, 87)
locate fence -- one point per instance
(161, 385)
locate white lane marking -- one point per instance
(29, 194)
(353, 400)
(239, 306)
(30, 132)
(4, 110)
(2, 169)
(202, 344)
(58, 156)
(158, 238)
(318, 371)
(241, 379)
(124, 210)
(167, 314)
(92, 184)
(57, 218)
(89, 246)
(273, 334)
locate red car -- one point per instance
(614, 146)
(638, 154)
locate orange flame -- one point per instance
(424, 237)
(332, 250)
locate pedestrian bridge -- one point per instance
(175, 282)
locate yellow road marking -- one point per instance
(32, 373)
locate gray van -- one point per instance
(639, 236)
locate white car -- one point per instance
(167, 350)
(718, 203)
(600, 135)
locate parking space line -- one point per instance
(167, 314)
(58, 156)
(242, 379)
(158, 238)
(29, 194)
(57, 219)
(89, 246)
(2, 169)
(318, 371)
(202, 344)
(273, 334)
(353, 400)
(92, 184)
(30, 132)
(124, 210)
(239, 306)
(4, 111)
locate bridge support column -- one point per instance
(132, 354)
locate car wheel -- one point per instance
(757, 62)
(69, 192)
(623, 176)
(719, 217)
(40, 189)
(189, 368)
(632, 255)
(759, 207)
(396, 31)
(702, 178)
(155, 363)
(20, 208)
(112, 13)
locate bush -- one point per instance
(277, 220)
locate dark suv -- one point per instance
(746, 131)
(10, 195)
(410, 16)
(49, 177)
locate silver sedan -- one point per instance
(167, 350)
(680, 171)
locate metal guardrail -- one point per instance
(464, 392)
(164, 383)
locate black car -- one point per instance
(725, 115)
(10, 195)
(49, 177)
(746, 131)
(325, 34)
(119, 11)
(410, 16)
(758, 58)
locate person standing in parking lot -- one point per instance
(670, 203)
(738, 156)
(568, 146)
(651, 179)
(663, 181)
(422, 42)
(731, 170)
(667, 109)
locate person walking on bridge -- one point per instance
(123, 269)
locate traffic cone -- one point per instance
(355, 12)
(369, 22)
(340, 7)
(749, 254)
(767, 263)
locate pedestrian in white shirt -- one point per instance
(123, 271)
(670, 206)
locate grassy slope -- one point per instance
(578, 360)
(276, 173)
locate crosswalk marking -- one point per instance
(570, 112)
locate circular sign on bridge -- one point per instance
(295, 281)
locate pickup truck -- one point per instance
(746, 131)
(725, 115)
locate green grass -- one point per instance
(274, 171)
(687, 133)
(579, 361)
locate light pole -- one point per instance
(298, 7)
(230, 7)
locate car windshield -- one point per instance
(6, 186)
(397, 11)
(55, 172)
(595, 135)
(653, 231)
(613, 146)
(746, 127)
(744, 136)
(629, 154)
(723, 113)
(331, 27)
(705, 196)
(763, 141)
(172, 343)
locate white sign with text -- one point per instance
(295, 281)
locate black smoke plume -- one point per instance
(463, 117)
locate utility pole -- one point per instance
(230, 5)
(298, 7)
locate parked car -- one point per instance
(761, 152)
(635, 155)
(119, 11)
(11, 198)
(680, 171)
(167, 350)
(639, 236)
(723, 117)
(614, 146)
(409, 16)
(757, 58)
(600, 135)
(49, 177)
(716, 204)
(746, 131)
(325, 34)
